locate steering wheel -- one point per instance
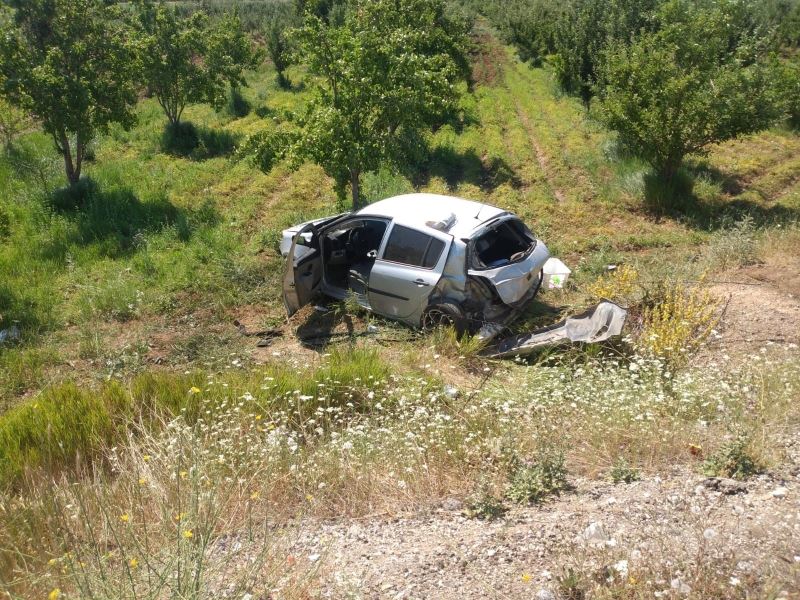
(355, 241)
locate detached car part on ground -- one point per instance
(423, 259)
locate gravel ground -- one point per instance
(665, 528)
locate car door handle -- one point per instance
(421, 282)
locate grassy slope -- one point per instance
(173, 247)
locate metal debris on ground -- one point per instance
(9, 334)
(267, 335)
(596, 324)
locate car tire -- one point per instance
(444, 314)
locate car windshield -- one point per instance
(504, 243)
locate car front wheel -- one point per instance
(444, 314)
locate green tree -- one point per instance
(585, 28)
(789, 89)
(695, 82)
(278, 49)
(186, 60)
(385, 74)
(71, 65)
(530, 26)
(12, 122)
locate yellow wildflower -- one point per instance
(194, 390)
(309, 497)
(180, 516)
(187, 533)
(125, 518)
(133, 563)
(183, 474)
(142, 481)
(54, 594)
(526, 577)
(258, 417)
(146, 458)
(254, 496)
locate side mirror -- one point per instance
(372, 254)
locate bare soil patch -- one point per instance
(763, 305)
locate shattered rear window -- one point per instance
(503, 244)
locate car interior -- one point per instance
(349, 252)
(507, 242)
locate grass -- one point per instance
(65, 422)
(125, 291)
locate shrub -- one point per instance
(531, 483)
(237, 105)
(12, 122)
(530, 26)
(623, 472)
(733, 459)
(677, 320)
(789, 87)
(621, 285)
(266, 148)
(734, 246)
(483, 504)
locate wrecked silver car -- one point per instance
(423, 259)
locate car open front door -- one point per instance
(303, 271)
(406, 272)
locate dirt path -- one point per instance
(763, 306)
(683, 527)
(541, 156)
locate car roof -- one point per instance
(456, 216)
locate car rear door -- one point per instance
(408, 267)
(302, 273)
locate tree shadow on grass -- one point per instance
(457, 167)
(115, 220)
(677, 200)
(187, 140)
(238, 105)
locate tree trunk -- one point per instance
(73, 173)
(80, 150)
(355, 187)
(668, 170)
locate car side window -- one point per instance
(411, 247)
